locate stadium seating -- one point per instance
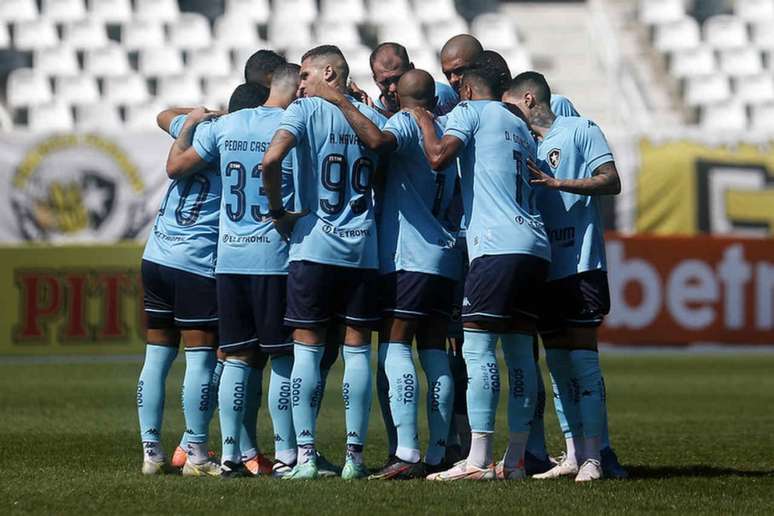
(126, 89)
(55, 116)
(61, 11)
(160, 10)
(76, 89)
(160, 61)
(352, 11)
(107, 61)
(18, 10)
(97, 116)
(34, 34)
(27, 87)
(257, 11)
(495, 32)
(110, 11)
(183, 89)
(142, 117)
(85, 34)
(5, 36)
(236, 32)
(140, 33)
(190, 30)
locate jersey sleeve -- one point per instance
(177, 125)
(445, 98)
(562, 106)
(295, 117)
(592, 144)
(400, 127)
(462, 122)
(205, 141)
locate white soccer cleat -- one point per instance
(565, 468)
(152, 467)
(503, 473)
(462, 471)
(208, 468)
(590, 470)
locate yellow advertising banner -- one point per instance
(687, 188)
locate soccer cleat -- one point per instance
(611, 468)
(353, 470)
(306, 471)
(280, 469)
(565, 468)
(461, 471)
(325, 468)
(397, 469)
(152, 467)
(209, 468)
(229, 470)
(590, 470)
(503, 473)
(259, 465)
(535, 466)
(437, 468)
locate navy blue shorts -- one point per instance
(175, 298)
(252, 308)
(503, 287)
(455, 322)
(416, 295)
(578, 301)
(320, 293)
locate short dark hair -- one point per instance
(399, 50)
(286, 74)
(246, 96)
(534, 81)
(497, 63)
(486, 76)
(262, 64)
(327, 50)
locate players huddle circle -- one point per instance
(454, 216)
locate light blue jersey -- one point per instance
(561, 106)
(445, 99)
(334, 182)
(500, 210)
(248, 242)
(185, 233)
(573, 149)
(412, 232)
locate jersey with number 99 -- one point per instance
(500, 209)
(333, 182)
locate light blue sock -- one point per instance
(605, 429)
(197, 398)
(522, 381)
(403, 384)
(585, 366)
(440, 401)
(305, 391)
(483, 379)
(329, 357)
(248, 445)
(280, 408)
(232, 395)
(566, 394)
(215, 382)
(356, 387)
(383, 393)
(151, 390)
(536, 444)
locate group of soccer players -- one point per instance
(454, 216)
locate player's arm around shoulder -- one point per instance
(183, 158)
(441, 152)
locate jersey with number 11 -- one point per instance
(333, 182)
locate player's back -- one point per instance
(500, 208)
(248, 242)
(562, 106)
(334, 182)
(185, 233)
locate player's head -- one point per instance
(416, 89)
(247, 96)
(389, 61)
(261, 65)
(496, 62)
(480, 84)
(325, 62)
(458, 55)
(527, 91)
(284, 85)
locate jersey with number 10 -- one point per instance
(333, 182)
(500, 209)
(185, 233)
(248, 242)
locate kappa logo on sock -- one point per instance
(152, 431)
(229, 440)
(278, 438)
(353, 434)
(189, 431)
(306, 433)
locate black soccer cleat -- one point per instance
(611, 468)
(231, 470)
(397, 469)
(536, 466)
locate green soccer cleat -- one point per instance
(306, 471)
(353, 471)
(325, 468)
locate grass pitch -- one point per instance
(695, 431)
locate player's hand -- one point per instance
(540, 178)
(319, 88)
(360, 94)
(201, 114)
(284, 225)
(421, 114)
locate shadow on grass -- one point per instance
(697, 471)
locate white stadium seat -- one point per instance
(342, 34)
(126, 89)
(27, 87)
(518, 60)
(18, 10)
(434, 10)
(763, 117)
(677, 35)
(183, 89)
(352, 11)
(725, 31)
(754, 10)
(165, 11)
(160, 61)
(426, 59)
(29, 35)
(438, 33)
(358, 59)
(234, 32)
(407, 33)
(707, 89)
(257, 11)
(208, 61)
(495, 31)
(142, 117)
(58, 60)
(99, 116)
(724, 117)
(61, 11)
(111, 11)
(754, 89)
(139, 33)
(381, 11)
(5, 36)
(286, 33)
(296, 10)
(108, 61)
(76, 89)
(85, 34)
(366, 83)
(655, 12)
(191, 30)
(55, 116)
(741, 61)
(218, 89)
(693, 61)
(763, 34)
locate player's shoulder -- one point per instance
(373, 114)
(579, 124)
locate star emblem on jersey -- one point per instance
(553, 158)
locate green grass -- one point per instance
(696, 432)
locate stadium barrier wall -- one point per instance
(665, 291)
